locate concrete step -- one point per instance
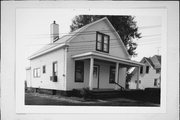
(106, 94)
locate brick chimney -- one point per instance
(54, 32)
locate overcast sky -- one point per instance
(33, 29)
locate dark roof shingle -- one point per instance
(155, 61)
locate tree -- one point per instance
(125, 26)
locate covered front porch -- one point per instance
(106, 72)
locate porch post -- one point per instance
(137, 83)
(91, 73)
(116, 75)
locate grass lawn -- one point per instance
(44, 99)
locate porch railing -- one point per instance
(122, 88)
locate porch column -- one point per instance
(91, 73)
(137, 83)
(116, 75)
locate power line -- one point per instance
(147, 41)
(85, 48)
(158, 49)
(151, 35)
(69, 33)
(90, 33)
(149, 27)
(82, 33)
(112, 46)
(90, 41)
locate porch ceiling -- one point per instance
(95, 55)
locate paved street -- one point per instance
(43, 99)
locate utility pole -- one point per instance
(158, 50)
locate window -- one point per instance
(112, 74)
(139, 81)
(44, 69)
(158, 70)
(36, 72)
(79, 71)
(147, 69)
(155, 82)
(102, 42)
(141, 70)
(54, 69)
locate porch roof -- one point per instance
(106, 57)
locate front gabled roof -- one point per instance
(64, 40)
(154, 61)
(149, 61)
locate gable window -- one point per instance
(139, 81)
(147, 69)
(44, 69)
(36, 72)
(54, 65)
(79, 71)
(141, 70)
(112, 74)
(102, 42)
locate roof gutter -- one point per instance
(127, 62)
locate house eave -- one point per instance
(47, 51)
(107, 57)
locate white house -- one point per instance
(93, 57)
(150, 73)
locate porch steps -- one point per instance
(106, 93)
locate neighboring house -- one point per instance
(93, 57)
(0, 76)
(150, 73)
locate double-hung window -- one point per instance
(102, 42)
(79, 71)
(54, 68)
(137, 81)
(147, 69)
(155, 82)
(141, 70)
(158, 70)
(44, 69)
(36, 72)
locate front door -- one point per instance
(96, 76)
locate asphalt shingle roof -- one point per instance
(155, 61)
